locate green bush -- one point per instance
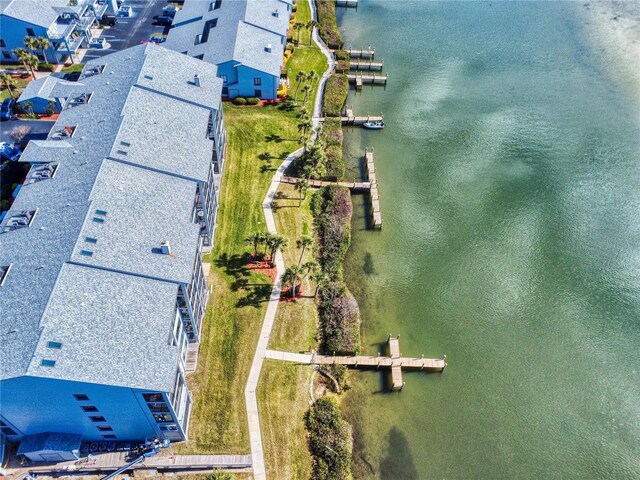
(253, 101)
(334, 163)
(342, 55)
(239, 101)
(46, 67)
(335, 95)
(328, 27)
(330, 441)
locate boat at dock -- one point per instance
(373, 125)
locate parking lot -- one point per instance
(131, 31)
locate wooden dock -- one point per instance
(347, 3)
(374, 196)
(367, 78)
(369, 65)
(394, 361)
(350, 118)
(191, 361)
(361, 52)
(354, 186)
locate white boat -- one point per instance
(373, 125)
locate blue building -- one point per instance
(66, 23)
(246, 39)
(48, 93)
(102, 289)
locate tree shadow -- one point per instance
(258, 294)
(272, 137)
(267, 168)
(287, 105)
(368, 267)
(234, 265)
(398, 463)
(266, 157)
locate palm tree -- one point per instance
(8, 82)
(276, 242)
(309, 267)
(28, 107)
(291, 275)
(319, 278)
(298, 26)
(43, 43)
(300, 77)
(255, 239)
(32, 63)
(310, 26)
(304, 126)
(266, 240)
(304, 113)
(302, 184)
(307, 90)
(302, 243)
(311, 76)
(23, 57)
(31, 43)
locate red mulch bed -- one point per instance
(263, 266)
(40, 117)
(285, 294)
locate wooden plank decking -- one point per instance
(355, 186)
(374, 197)
(191, 362)
(347, 3)
(395, 361)
(363, 64)
(367, 78)
(361, 52)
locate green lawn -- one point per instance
(20, 84)
(258, 139)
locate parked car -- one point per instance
(124, 11)
(9, 151)
(156, 38)
(108, 20)
(170, 10)
(6, 109)
(165, 20)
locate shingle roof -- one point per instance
(49, 87)
(36, 12)
(144, 207)
(243, 29)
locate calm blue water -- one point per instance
(509, 177)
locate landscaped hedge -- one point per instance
(46, 67)
(330, 441)
(335, 95)
(339, 316)
(253, 101)
(343, 61)
(328, 27)
(239, 101)
(334, 163)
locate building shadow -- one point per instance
(398, 462)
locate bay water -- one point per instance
(509, 179)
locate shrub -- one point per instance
(339, 319)
(253, 101)
(239, 101)
(330, 441)
(342, 55)
(334, 163)
(328, 27)
(335, 95)
(46, 67)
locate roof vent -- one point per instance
(268, 48)
(276, 13)
(196, 80)
(4, 271)
(165, 248)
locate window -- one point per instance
(208, 25)
(57, 345)
(48, 363)
(81, 397)
(97, 418)
(258, 93)
(217, 4)
(158, 407)
(109, 437)
(91, 240)
(98, 220)
(105, 428)
(2, 44)
(170, 428)
(163, 417)
(257, 81)
(224, 78)
(86, 253)
(89, 408)
(6, 55)
(101, 212)
(30, 32)
(153, 397)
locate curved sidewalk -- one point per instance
(253, 416)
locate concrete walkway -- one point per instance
(304, 358)
(253, 416)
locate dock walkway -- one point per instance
(369, 65)
(395, 361)
(374, 196)
(367, 78)
(361, 52)
(355, 186)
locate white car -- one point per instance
(124, 11)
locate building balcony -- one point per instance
(61, 31)
(68, 47)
